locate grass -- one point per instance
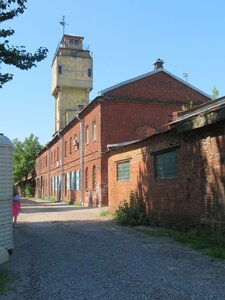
(5, 278)
(212, 243)
(104, 213)
(51, 199)
(76, 203)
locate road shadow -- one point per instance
(34, 206)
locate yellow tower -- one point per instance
(72, 79)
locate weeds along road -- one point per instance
(64, 252)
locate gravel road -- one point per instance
(63, 252)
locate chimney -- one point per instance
(80, 107)
(158, 64)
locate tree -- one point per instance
(15, 55)
(24, 156)
(215, 93)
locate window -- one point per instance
(94, 178)
(86, 178)
(60, 69)
(65, 148)
(123, 171)
(89, 73)
(94, 130)
(53, 185)
(54, 156)
(57, 153)
(165, 165)
(86, 135)
(71, 145)
(65, 184)
(78, 180)
(73, 180)
(68, 181)
(76, 143)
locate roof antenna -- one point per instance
(63, 23)
(188, 92)
(186, 76)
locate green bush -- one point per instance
(104, 213)
(27, 191)
(131, 213)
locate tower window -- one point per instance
(89, 73)
(60, 69)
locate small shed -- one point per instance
(6, 184)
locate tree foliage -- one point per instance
(15, 55)
(215, 93)
(24, 156)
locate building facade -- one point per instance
(73, 166)
(178, 173)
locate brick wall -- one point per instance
(195, 196)
(160, 87)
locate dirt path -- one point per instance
(65, 252)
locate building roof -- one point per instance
(118, 145)
(207, 107)
(102, 92)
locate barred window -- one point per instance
(166, 165)
(123, 171)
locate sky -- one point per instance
(125, 38)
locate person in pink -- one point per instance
(16, 206)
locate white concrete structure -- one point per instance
(6, 184)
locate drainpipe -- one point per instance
(49, 179)
(39, 185)
(81, 159)
(61, 164)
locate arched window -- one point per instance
(94, 183)
(86, 178)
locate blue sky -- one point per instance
(125, 37)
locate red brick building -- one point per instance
(74, 164)
(179, 173)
